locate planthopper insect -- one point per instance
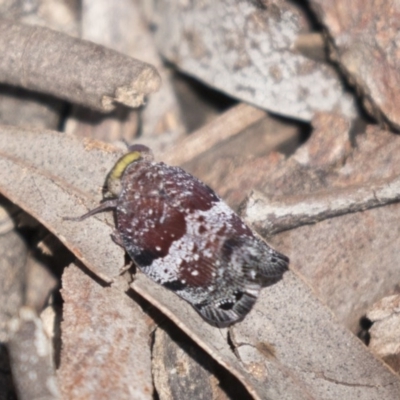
(184, 237)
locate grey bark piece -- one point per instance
(249, 53)
(78, 71)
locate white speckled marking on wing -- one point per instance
(167, 268)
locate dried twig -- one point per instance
(78, 71)
(224, 127)
(270, 217)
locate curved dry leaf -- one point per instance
(51, 176)
(288, 346)
(249, 52)
(293, 344)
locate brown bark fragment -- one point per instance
(105, 338)
(364, 36)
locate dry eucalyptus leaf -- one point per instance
(249, 53)
(52, 176)
(106, 324)
(288, 346)
(366, 47)
(293, 344)
(75, 70)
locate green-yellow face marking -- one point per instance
(114, 177)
